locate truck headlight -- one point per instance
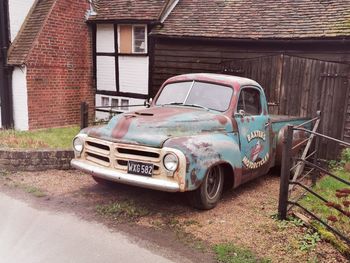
(78, 144)
(171, 162)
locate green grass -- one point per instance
(54, 138)
(34, 191)
(229, 253)
(327, 187)
(122, 209)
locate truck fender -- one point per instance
(205, 151)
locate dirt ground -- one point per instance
(245, 216)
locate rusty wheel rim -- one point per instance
(213, 182)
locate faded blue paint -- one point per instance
(205, 150)
(205, 137)
(152, 127)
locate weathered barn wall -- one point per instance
(298, 79)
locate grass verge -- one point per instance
(53, 138)
(332, 190)
(229, 253)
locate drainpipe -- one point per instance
(5, 69)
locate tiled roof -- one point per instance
(128, 9)
(23, 43)
(259, 19)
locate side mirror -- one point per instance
(148, 102)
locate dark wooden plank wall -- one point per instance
(298, 81)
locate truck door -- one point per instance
(253, 126)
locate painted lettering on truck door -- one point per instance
(253, 125)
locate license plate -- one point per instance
(145, 169)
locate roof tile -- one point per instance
(22, 44)
(128, 9)
(256, 19)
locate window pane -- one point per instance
(252, 103)
(104, 101)
(212, 96)
(139, 32)
(114, 103)
(125, 104)
(174, 93)
(139, 46)
(139, 39)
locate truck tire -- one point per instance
(209, 193)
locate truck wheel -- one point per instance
(208, 194)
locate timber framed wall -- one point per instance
(299, 78)
(6, 118)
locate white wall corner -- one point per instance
(20, 98)
(18, 11)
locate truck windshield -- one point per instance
(198, 94)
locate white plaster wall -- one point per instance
(104, 115)
(20, 98)
(18, 10)
(105, 38)
(106, 79)
(133, 74)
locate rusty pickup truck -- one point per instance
(200, 133)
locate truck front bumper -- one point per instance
(124, 178)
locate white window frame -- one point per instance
(132, 38)
(133, 42)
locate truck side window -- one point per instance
(249, 101)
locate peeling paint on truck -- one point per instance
(245, 146)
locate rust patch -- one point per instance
(221, 119)
(122, 127)
(193, 176)
(242, 120)
(234, 125)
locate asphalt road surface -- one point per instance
(30, 235)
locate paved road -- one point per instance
(29, 235)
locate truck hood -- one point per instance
(153, 126)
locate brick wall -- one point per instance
(35, 160)
(59, 67)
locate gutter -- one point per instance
(5, 69)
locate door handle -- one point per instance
(267, 124)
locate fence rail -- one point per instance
(287, 183)
(112, 110)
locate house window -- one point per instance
(125, 104)
(104, 101)
(132, 39)
(115, 103)
(139, 39)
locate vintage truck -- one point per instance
(200, 133)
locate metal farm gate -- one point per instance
(302, 86)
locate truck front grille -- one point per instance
(117, 155)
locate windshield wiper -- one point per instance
(173, 103)
(196, 105)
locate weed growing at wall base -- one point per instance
(54, 138)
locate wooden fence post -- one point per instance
(285, 174)
(84, 115)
